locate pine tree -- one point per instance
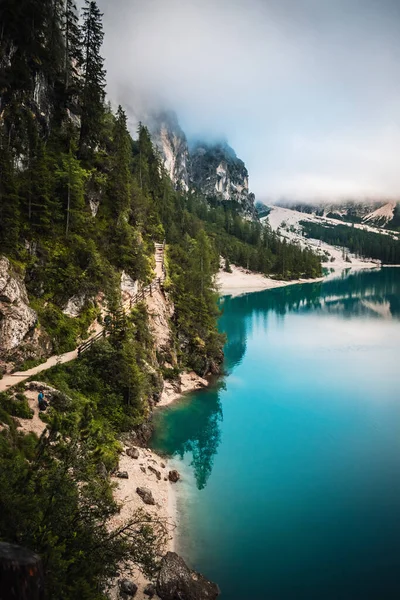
(73, 54)
(92, 99)
(9, 203)
(120, 176)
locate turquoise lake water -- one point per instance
(291, 463)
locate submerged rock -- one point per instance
(145, 495)
(176, 581)
(174, 476)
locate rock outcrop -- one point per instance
(172, 144)
(218, 173)
(213, 169)
(177, 582)
(16, 317)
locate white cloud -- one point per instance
(306, 91)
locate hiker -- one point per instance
(43, 404)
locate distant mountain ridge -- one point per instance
(378, 213)
(211, 168)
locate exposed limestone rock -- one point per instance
(129, 287)
(171, 141)
(16, 317)
(213, 169)
(218, 173)
(177, 582)
(145, 495)
(74, 305)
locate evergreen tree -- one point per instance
(9, 203)
(73, 54)
(120, 175)
(92, 98)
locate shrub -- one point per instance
(15, 408)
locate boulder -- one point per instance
(16, 317)
(150, 590)
(143, 469)
(145, 495)
(127, 588)
(122, 474)
(176, 581)
(156, 473)
(174, 476)
(162, 465)
(133, 452)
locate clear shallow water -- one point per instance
(291, 464)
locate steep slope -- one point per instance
(170, 140)
(220, 174)
(212, 169)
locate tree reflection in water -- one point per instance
(192, 425)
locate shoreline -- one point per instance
(165, 493)
(242, 281)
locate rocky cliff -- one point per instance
(218, 173)
(213, 169)
(171, 141)
(16, 317)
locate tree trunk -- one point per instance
(21, 574)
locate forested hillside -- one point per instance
(366, 244)
(81, 202)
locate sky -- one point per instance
(307, 92)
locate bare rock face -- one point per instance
(16, 317)
(177, 582)
(74, 305)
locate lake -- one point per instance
(291, 462)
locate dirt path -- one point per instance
(13, 379)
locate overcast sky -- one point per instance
(306, 91)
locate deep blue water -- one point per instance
(291, 463)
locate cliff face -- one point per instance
(172, 144)
(218, 173)
(212, 169)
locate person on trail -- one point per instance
(43, 404)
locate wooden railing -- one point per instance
(86, 345)
(148, 290)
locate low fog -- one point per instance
(306, 91)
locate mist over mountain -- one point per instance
(306, 92)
